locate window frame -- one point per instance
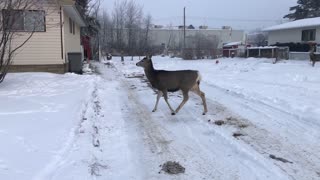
(70, 25)
(306, 35)
(24, 16)
(73, 28)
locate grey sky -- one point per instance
(240, 14)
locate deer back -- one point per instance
(175, 80)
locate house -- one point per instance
(57, 35)
(299, 31)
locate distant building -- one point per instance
(172, 37)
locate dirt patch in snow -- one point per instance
(237, 134)
(172, 167)
(279, 159)
(219, 122)
(96, 167)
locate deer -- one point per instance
(313, 57)
(172, 81)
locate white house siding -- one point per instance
(71, 41)
(44, 47)
(290, 35)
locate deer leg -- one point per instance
(203, 97)
(165, 96)
(185, 99)
(158, 97)
(313, 63)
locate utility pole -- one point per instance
(184, 27)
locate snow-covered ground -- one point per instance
(101, 126)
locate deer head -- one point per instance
(145, 62)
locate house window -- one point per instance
(24, 20)
(309, 35)
(72, 26)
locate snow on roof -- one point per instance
(263, 47)
(232, 44)
(296, 24)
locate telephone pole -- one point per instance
(184, 27)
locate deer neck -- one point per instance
(312, 49)
(151, 74)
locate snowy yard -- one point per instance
(263, 123)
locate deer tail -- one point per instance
(199, 78)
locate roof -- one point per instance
(309, 22)
(74, 14)
(232, 44)
(69, 7)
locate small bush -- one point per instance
(295, 47)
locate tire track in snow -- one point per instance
(201, 155)
(158, 141)
(305, 158)
(87, 127)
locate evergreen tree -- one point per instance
(304, 9)
(83, 6)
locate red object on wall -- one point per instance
(86, 47)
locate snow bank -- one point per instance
(37, 116)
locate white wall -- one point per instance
(160, 36)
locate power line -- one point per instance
(217, 19)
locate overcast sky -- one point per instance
(240, 14)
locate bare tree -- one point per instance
(146, 35)
(133, 24)
(106, 33)
(257, 38)
(260, 39)
(204, 45)
(17, 22)
(126, 31)
(119, 17)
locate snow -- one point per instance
(303, 23)
(263, 47)
(100, 126)
(232, 44)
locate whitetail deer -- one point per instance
(172, 81)
(313, 57)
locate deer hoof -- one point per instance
(204, 113)
(154, 110)
(173, 113)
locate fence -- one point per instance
(299, 55)
(269, 52)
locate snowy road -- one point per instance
(103, 128)
(206, 150)
(272, 142)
